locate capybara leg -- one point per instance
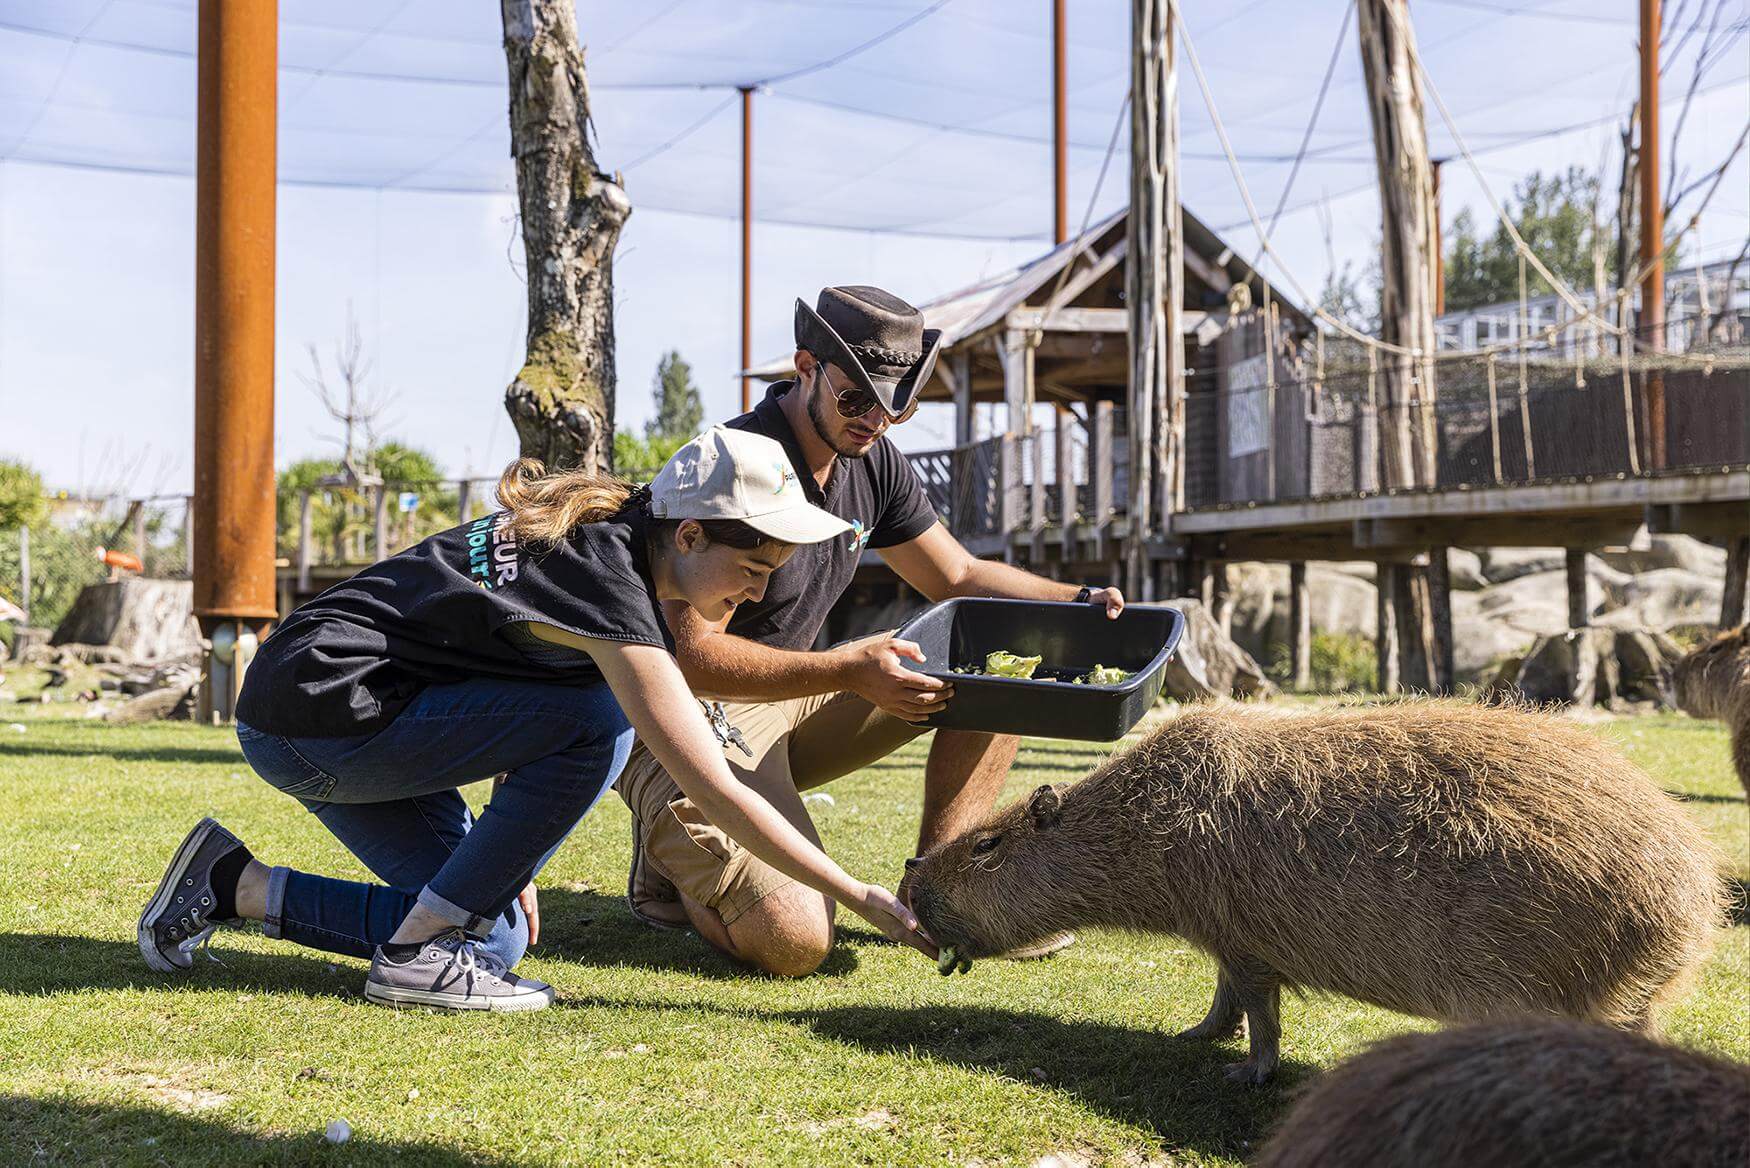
(1223, 1019)
(1262, 1002)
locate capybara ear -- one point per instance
(1046, 807)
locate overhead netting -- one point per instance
(927, 117)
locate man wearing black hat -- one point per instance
(791, 718)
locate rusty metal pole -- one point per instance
(234, 299)
(746, 244)
(1059, 125)
(1651, 324)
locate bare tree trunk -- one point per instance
(1153, 285)
(1408, 245)
(562, 401)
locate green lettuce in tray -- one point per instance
(1002, 663)
(1104, 675)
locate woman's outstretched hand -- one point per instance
(531, 910)
(889, 914)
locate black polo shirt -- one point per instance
(454, 607)
(878, 494)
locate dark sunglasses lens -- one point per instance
(854, 403)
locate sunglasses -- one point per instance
(855, 403)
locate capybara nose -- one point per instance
(912, 863)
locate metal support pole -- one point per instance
(464, 500)
(1059, 125)
(234, 303)
(746, 245)
(1651, 325)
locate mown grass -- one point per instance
(660, 1051)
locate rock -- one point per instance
(56, 678)
(1498, 565)
(1645, 659)
(148, 619)
(171, 702)
(1668, 551)
(30, 645)
(1574, 667)
(1209, 664)
(1665, 598)
(1340, 602)
(1465, 568)
(76, 653)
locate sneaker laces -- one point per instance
(468, 959)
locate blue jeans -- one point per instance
(391, 797)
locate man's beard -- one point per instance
(842, 445)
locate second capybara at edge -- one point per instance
(1532, 1093)
(1441, 859)
(1713, 681)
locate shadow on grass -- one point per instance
(46, 963)
(593, 929)
(232, 755)
(57, 1130)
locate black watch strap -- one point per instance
(1082, 596)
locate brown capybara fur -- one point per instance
(1531, 1094)
(1713, 681)
(1443, 859)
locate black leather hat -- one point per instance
(877, 339)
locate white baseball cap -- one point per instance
(734, 474)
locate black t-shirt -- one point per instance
(881, 497)
(455, 606)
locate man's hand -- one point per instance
(532, 910)
(875, 669)
(1110, 598)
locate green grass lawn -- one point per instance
(658, 1051)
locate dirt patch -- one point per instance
(178, 1088)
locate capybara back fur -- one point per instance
(1438, 858)
(1530, 1094)
(1713, 681)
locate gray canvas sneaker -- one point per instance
(453, 972)
(180, 914)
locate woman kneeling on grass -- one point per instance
(529, 643)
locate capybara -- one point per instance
(1526, 1094)
(1713, 681)
(1439, 858)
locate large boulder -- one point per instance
(1499, 565)
(1208, 664)
(1668, 551)
(1465, 570)
(149, 620)
(1338, 600)
(1594, 666)
(1665, 598)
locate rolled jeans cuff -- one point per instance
(473, 924)
(272, 920)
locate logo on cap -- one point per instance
(786, 476)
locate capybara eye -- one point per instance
(986, 845)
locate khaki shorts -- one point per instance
(797, 744)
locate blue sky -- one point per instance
(938, 132)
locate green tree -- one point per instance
(679, 412)
(1555, 216)
(21, 496)
(640, 458)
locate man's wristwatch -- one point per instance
(1082, 596)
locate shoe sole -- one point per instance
(431, 1000)
(191, 843)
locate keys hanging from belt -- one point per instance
(727, 735)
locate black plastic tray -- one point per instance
(1072, 639)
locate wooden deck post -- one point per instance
(1066, 482)
(304, 549)
(1101, 452)
(1579, 603)
(1390, 681)
(1036, 497)
(1217, 598)
(960, 363)
(1299, 627)
(380, 504)
(1737, 569)
(1441, 669)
